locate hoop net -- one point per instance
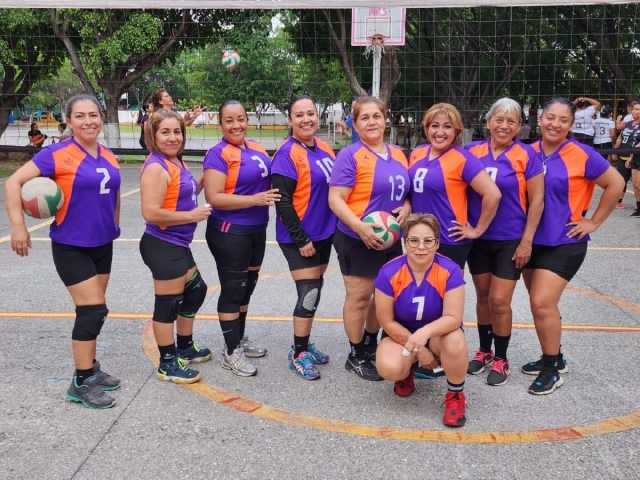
(376, 44)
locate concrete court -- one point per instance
(276, 425)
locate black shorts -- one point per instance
(582, 138)
(236, 252)
(77, 264)
(165, 260)
(412, 330)
(635, 162)
(357, 260)
(298, 262)
(494, 257)
(563, 260)
(601, 146)
(457, 253)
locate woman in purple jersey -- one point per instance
(571, 172)
(499, 254)
(368, 176)
(237, 184)
(82, 235)
(305, 224)
(170, 206)
(420, 301)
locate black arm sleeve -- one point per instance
(288, 215)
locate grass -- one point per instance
(5, 171)
(213, 132)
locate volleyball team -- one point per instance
(504, 208)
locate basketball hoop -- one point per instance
(375, 45)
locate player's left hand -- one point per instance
(462, 232)
(401, 213)
(415, 343)
(581, 228)
(522, 254)
(308, 250)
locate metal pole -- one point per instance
(377, 61)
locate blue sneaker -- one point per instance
(194, 354)
(303, 366)
(177, 372)
(317, 356)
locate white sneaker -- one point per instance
(238, 364)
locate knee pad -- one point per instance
(321, 280)
(252, 281)
(166, 308)
(308, 294)
(89, 321)
(233, 288)
(195, 291)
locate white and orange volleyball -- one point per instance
(41, 197)
(390, 231)
(230, 59)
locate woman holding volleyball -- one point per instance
(82, 235)
(368, 176)
(499, 254)
(304, 225)
(169, 195)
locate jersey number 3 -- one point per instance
(103, 184)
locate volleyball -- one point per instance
(230, 59)
(390, 231)
(41, 197)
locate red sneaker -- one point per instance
(454, 405)
(404, 388)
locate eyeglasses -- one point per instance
(414, 242)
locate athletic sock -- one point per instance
(242, 319)
(167, 353)
(550, 361)
(501, 345)
(485, 332)
(301, 344)
(370, 339)
(82, 375)
(357, 349)
(455, 387)
(184, 341)
(638, 206)
(231, 333)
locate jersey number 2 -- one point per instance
(103, 184)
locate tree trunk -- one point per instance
(5, 110)
(111, 127)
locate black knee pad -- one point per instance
(233, 288)
(166, 308)
(321, 280)
(252, 281)
(89, 321)
(195, 291)
(308, 293)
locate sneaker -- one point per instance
(317, 356)
(177, 372)
(454, 406)
(90, 394)
(499, 372)
(620, 205)
(238, 364)
(481, 360)
(194, 354)
(252, 350)
(362, 366)
(428, 373)
(106, 381)
(635, 214)
(303, 366)
(534, 368)
(546, 383)
(406, 387)
(370, 352)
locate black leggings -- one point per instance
(625, 172)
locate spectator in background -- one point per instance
(583, 130)
(348, 123)
(143, 116)
(36, 138)
(525, 129)
(605, 130)
(621, 121)
(162, 99)
(65, 132)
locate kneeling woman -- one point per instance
(170, 207)
(419, 302)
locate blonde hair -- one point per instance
(421, 219)
(451, 112)
(152, 126)
(362, 101)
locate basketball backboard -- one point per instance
(367, 22)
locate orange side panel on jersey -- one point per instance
(361, 193)
(173, 189)
(303, 189)
(67, 161)
(452, 163)
(109, 157)
(580, 188)
(232, 155)
(519, 157)
(418, 154)
(438, 277)
(401, 280)
(399, 156)
(481, 150)
(324, 146)
(253, 145)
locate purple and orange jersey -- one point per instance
(312, 170)
(248, 172)
(569, 175)
(510, 172)
(181, 196)
(377, 184)
(415, 306)
(91, 188)
(439, 186)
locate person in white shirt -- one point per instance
(583, 124)
(621, 121)
(605, 130)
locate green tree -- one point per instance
(55, 91)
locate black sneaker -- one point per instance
(546, 383)
(635, 214)
(106, 381)
(90, 394)
(370, 352)
(362, 366)
(534, 368)
(480, 360)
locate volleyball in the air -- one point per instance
(230, 59)
(390, 231)
(41, 197)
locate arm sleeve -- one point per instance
(286, 210)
